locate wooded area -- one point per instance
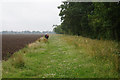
(99, 20)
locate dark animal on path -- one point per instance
(46, 36)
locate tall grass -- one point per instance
(18, 61)
(103, 50)
(0, 70)
(64, 56)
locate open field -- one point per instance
(14, 42)
(64, 56)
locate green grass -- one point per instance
(0, 70)
(64, 56)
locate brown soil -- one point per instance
(14, 42)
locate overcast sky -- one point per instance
(33, 15)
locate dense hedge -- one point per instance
(95, 20)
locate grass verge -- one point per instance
(64, 56)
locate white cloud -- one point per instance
(30, 15)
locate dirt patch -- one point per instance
(14, 42)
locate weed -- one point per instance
(18, 61)
(7, 56)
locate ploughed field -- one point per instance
(14, 42)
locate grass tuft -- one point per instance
(18, 61)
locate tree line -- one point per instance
(27, 32)
(100, 20)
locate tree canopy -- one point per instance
(99, 20)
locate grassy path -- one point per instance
(55, 59)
